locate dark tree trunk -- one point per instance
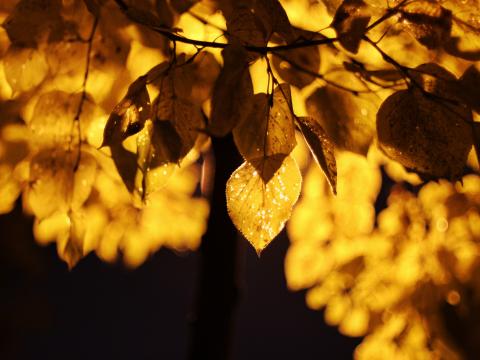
(212, 325)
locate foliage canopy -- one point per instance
(108, 108)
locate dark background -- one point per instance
(105, 311)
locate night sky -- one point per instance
(105, 311)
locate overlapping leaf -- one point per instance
(321, 147)
(232, 93)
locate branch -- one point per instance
(83, 96)
(169, 34)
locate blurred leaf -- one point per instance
(464, 40)
(350, 23)
(32, 20)
(427, 21)
(274, 19)
(232, 93)
(290, 63)
(130, 114)
(25, 68)
(181, 6)
(58, 182)
(469, 84)
(268, 129)
(321, 147)
(246, 27)
(347, 119)
(424, 134)
(259, 208)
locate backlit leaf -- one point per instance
(347, 119)
(321, 147)
(57, 183)
(259, 209)
(427, 21)
(424, 134)
(25, 68)
(267, 131)
(32, 20)
(274, 19)
(469, 85)
(130, 114)
(350, 23)
(232, 93)
(289, 65)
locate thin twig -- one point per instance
(83, 95)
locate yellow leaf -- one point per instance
(267, 130)
(25, 68)
(260, 209)
(57, 183)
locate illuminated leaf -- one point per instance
(53, 120)
(259, 209)
(289, 65)
(428, 22)
(25, 68)
(321, 147)
(427, 135)
(60, 181)
(158, 150)
(476, 138)
(269, 128)
(205, 71)
(246, 27)
(129, 116)
(232, 93)
(185, 117)
(350, 23)
(274, 19)
(347, 119)
(464, 40)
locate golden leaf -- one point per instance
(129, 116)
(58, 183)
(268, 130)
(425, 134)
(259, 209)
(288, 63)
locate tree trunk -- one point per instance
(212, 325)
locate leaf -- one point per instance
(274, 19)
(321, 147)
(181, 6)
(25, 68)
(205, 72)
(469, 84)
(94, 6)
(289, 65)
(424, 134)
(245, 27)
(57, 183)
(476, 138)
(347, 119)
(267, 131)
(185, 117)
(259, 208)
(464, 40)
(427, 21)
(130, 114)
(350, 23)
(32, 20)
(158, 149)
(232, 92)
(53, 121)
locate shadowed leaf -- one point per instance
(321, 147)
